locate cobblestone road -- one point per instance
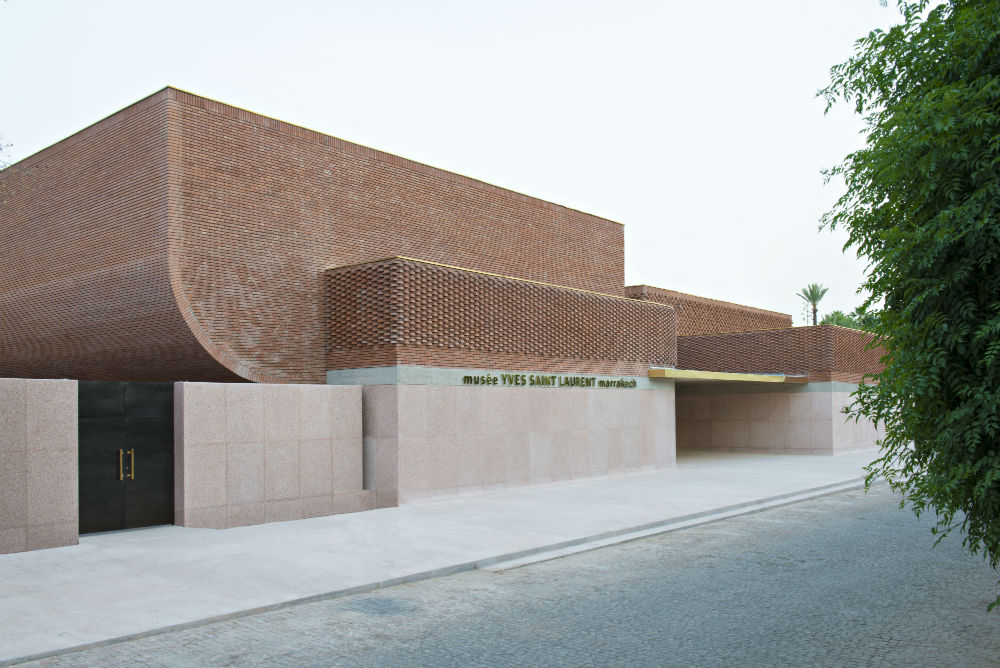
(844, 580)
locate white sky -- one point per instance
(694, 123)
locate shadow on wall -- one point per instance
(806, 419)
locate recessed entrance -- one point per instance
(126, 441)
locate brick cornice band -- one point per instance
(701, 315)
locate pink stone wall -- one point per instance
(848, 435)
(430, 441)
(255, 453)
(792, 422)
(39, 501)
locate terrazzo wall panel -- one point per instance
(255, 453)
(39, 504)
(807, 419)
(433, 441)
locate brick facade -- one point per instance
(85, 285)
(823, 353)
(184, 239)
(699, 315)
(401, 311)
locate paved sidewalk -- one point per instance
(128, 583)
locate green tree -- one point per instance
(863, 318)
(839, 318)
(922, 204)
(812, 294)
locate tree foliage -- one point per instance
(812, 294)
(863, 318)
(922, 204)
(839, 318)
(857, 319)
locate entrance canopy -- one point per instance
(696, 377)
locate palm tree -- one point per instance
(812, 293)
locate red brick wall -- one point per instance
(185, 239)
(264, 207)
(85, 287)
(851, 356)
(400, 311)
(700, 315)
(824, 353)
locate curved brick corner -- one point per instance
(85, 289)
(401, 312)
(262, 208)
(185, 239)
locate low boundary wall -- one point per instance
(430, 433)
(255, 453)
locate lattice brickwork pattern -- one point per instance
(700, 315)
(824, 353)
(401, 311)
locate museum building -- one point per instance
(213, 318)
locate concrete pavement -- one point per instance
(135, 582)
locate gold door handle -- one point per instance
(131, 465)
(121, 467)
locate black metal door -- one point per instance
(126, 455)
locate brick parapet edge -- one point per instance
(290, 129)
(701, 315)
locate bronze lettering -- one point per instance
(537, 380)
